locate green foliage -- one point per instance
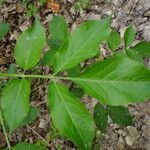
(78, 92)
(120, 115)
(27, 146)
(58, 29)
(42, 1)
(129, 36)
(134, 55)
(100, 117)
(1, 2)
(118, 80)
(4, 28)
(83, 44)
(32, 114)
(15, 102)
(73, 113)
(82, 4)
(143, 48)
(27, 51)
(73, 72)
(114, 40)
(31, 8)
(57, 39)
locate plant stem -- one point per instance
(4, 75)
(38, 135)
(4, 130)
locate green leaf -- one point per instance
(28, 146)
(54, 44)
(134, 55)
(4, 28)
(143, 48)
(48, 59)
(1, 2)
(49, 56)
(58, 29)
(74, 71)
(100, 117)
(129, 36)
(29, 46)
(83, 44)
(59, 34)
(120, 115)
(114, 40)
(15, 102)
(117, 80)
(70, 117)
(78, 92)
(82, 4)
(32, 114)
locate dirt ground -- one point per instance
(124, 12)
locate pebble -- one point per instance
(146, 32)
(146, 4)
(129, 140)
(42, 124)
(71, 1)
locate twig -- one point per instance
(38, 135)
(5, 133)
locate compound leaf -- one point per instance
(100, 117)
(70, 117)
(120, 115)
(15, 102)
(28, 146)
(114, 40)
(29, 46)
(83, 44)
(129, 36)
(117, 80)
(4, 28)
(143, 48)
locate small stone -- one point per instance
(71, 1)
(121, 144)
(146, 32)
(117, 2)
(72, 10)
(49, 17)
(133, 132)
(129, 140)
(147, 14)
(82, 14)
(93, 16)
(42, 124)
(146, 4)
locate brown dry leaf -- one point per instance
(19, 8)
(54, 6)
(2, 140)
